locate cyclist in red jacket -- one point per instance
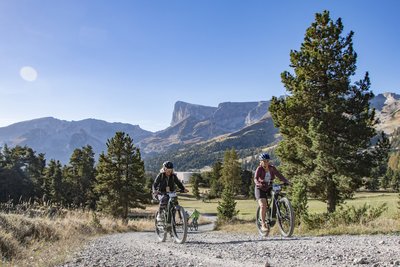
(263, 178)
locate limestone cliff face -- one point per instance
(387, 107)
(183, 110)
(258, 113)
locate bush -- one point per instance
(344, 216)
(9, 247)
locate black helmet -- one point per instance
(168, 165)
(264, 156)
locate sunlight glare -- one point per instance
(28, 73)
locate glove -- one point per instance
(155, 195)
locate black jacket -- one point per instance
(162, 181)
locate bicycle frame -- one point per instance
(274, 207)
(172, 205)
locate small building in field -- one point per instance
(184, 176)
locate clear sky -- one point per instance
(131, 60)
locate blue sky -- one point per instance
(130, 61)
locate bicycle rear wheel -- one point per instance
(160, 227)
(285, 216)
(179, 225)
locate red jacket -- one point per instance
(260, 175)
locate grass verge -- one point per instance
(43, 241)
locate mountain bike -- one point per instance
(173, 221)
(194, 225)
(280, 210)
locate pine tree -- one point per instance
(194, 180)
(226, 209)
(215, 181)
(326, 123)
(53, 186)
(380, 162)
(230, 173)
(120, 176)
(247, 178)
(81, 177)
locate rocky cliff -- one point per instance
(230, 124)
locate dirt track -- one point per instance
(207, 248)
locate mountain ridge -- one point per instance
(237, 124)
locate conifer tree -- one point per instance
(120, 177)
(215, 181)
(326, 122)
(194, 180)
(247, 178)
(53, 186)
(230, 173)
(380, 162)
(81, 177)
(226, 209)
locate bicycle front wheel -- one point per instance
(285, 217)
(160, 228)
(179, 225)
(259, 222)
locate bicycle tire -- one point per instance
(179, 224)
(160, 228)
(285, 217)
(258, 222)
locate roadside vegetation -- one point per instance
(33, 235)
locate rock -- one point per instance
(360, 261)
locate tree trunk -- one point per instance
(125, 214)
(332, 195)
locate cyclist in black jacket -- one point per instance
(165, 182)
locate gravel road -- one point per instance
(207, 248)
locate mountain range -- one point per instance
(193, 129)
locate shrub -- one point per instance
(9, 248)
(345, 216)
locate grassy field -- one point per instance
(388, 222)
(248, 207)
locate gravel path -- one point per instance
(206, 248)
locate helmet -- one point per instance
(264, 156)
(168, 165)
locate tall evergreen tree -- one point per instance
(120, 177)
(326, 123)
(230, 173)
(194, 180)
(53, 185)
(20, 171)
(81, 177)
(226, 209)
(380, 163)
(215, 181)
(247, 178)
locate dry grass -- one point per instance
(43, 241)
